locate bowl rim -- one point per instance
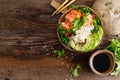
(81, 6)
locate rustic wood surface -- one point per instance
(28, 38)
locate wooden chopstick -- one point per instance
(62, 5)
(65, 6)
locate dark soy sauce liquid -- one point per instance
(101, 62)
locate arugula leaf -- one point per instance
(59, 53)
(85, 10)
(62, 32)
(115, 48)
(96, 22)
(75, 25)
(74, 71)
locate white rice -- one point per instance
(82, 34)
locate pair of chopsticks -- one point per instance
(64, 5)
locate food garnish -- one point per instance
(114, 47)
(74, 70)
(62, 32)
(59, 53)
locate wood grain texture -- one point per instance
(28, 38)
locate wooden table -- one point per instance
(28, 38)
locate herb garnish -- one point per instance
(82, 10)
(74, 71)
(59, 53)
(62, 32)
(84, 18)
(75, 25)
(85, 10)
(114, 47)
(74, 7)
(96, 23)
(78, 22)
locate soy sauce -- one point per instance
(101, 62)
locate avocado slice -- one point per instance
(92, 42)
(84, 47)
(81, 47)
(72, 44)
(95, 41)
(89, 45)
(89, 41)
(78, 47)
(97, 37)
(100, 32)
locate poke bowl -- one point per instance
(80, 29)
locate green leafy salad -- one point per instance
(81, 30)
(114, 47)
